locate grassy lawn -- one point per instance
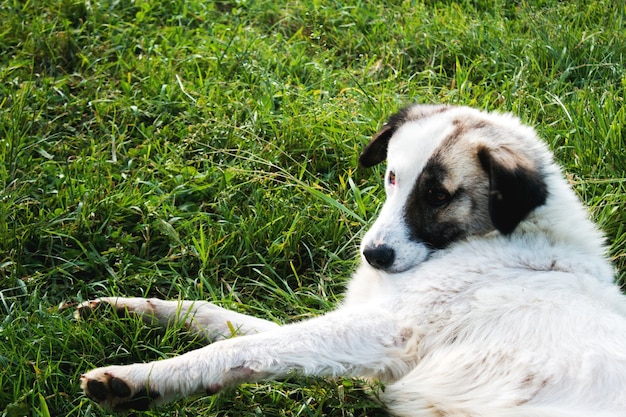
(207, 150)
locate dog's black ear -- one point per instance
(516, 187)
(376, 151)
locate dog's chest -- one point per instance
(426, 299)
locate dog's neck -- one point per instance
(564, 220)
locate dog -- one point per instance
(484, 291)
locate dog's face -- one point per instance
(452, 173)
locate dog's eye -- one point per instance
(437, 197)
(392, 178)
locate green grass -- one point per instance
(203, 149)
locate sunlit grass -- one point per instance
(208, 150)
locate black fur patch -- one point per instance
(141, 401)
(119, 388)
(513, 192)
(423, 219)
(97, 390)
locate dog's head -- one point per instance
(452, 173)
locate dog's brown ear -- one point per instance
(516, 187)
(376, 151)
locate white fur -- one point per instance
(528, 324)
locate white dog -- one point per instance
(484, 291)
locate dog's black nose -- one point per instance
(380, 257)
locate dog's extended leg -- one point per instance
(351, 343)
(201, 317)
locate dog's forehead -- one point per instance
(416, 141)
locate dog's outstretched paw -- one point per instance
(114, 393)
(88, 308)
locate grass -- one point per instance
(201, 149)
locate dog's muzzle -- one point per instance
(379, 256)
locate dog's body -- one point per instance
(484, 291)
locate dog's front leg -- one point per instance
(200, 317)
(344, 342)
